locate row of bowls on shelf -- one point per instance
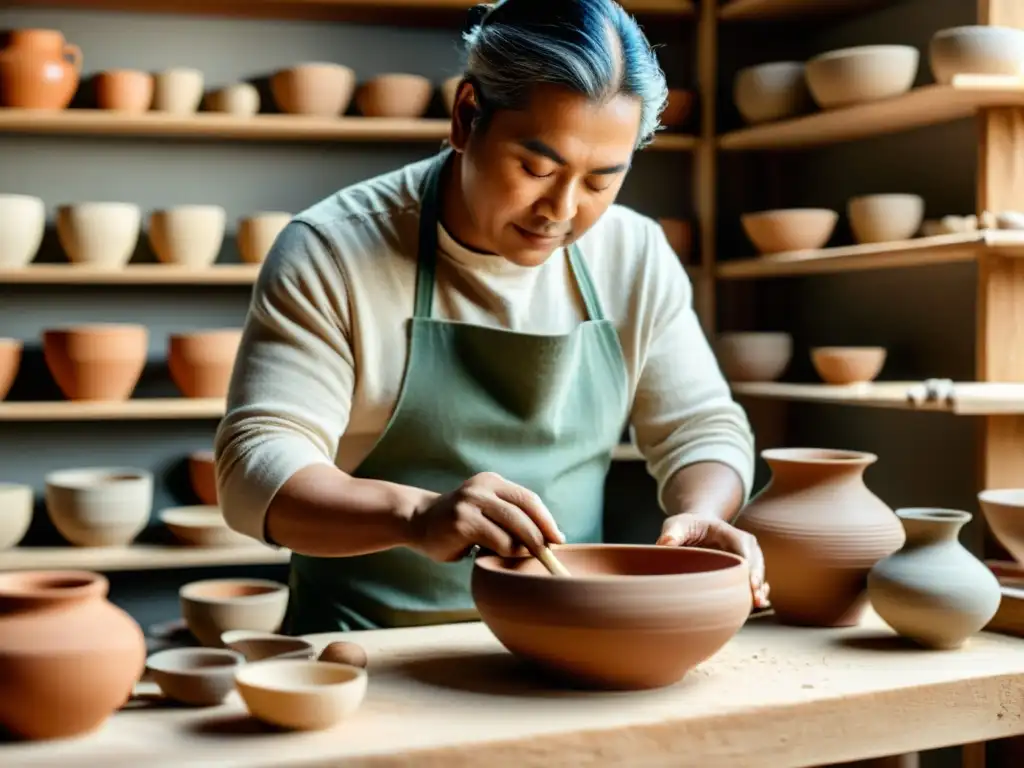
(104, 361)
(840, 78)
(105, 234)
(749, 356)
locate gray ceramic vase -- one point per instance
(933, 591)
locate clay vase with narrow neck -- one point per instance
(821, 530)
(39, 70)
(69, 658)
(933, 591)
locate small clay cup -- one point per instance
(16, 502)
(200, 677)
(301, 695)
(124, 90)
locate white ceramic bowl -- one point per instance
(22, 224)
(773, 91)
(976, 50)
(187, 235)
(16, 503)
(301, 695)
(101, 506)
(201, 677)
(864, 73)
(885, 218)
(99, 234)
(753, 355)
(789, 229)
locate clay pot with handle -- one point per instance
(39, 70)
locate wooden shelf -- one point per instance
(137, 557)
(762, 10)
(927, 105)
(921, 251)
(133, 274)
(129, 410)
(212, 125)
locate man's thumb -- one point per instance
(678, 532)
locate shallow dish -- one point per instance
(201, 525)
(202, 677)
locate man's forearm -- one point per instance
(706, 488)
(324, 512)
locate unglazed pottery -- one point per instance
(201, 362)
(885, 218)
(99, 234)
(10, 362)
(753, 355)
(848, 365)
(301, 695)
(22, 225)
(16, 503)
(789, 229)
(124, 90)
(1003, 509)
(68, 657)
(99, 507)
(239, 99)
(255, 646)
(773, 91)
(99, 361)
(178, 90)
(202, 526)
(679, 234)
(314, 88)
(394, 95)
(864, 73)
(341, 652)
(200, 677)
(39, 70)
(976, 50)
(821, 531)
(629, 616)
(187, 235)
(214, 606)
(678, 108)
(933, 591)
(449, 90)
(202, 475)
(257, 233)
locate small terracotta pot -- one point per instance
(22, 226)
(314, 88)
(124, 90)
(848, 365)
(257, 233)
(99, 507)
(16, 506)
(97, 361)
(214, 606)
(10, 362)
(201, 362)
(202, 474)
(394, 95)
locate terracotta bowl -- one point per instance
(201, 677)
(101, 506)
(773, 91)
(214, 606)
(201, 362)
(260, 646)
(314, 88)
(202, 474)
(789, 229)
(394, 95)
(257, 233)
(629, 617)
(679, 233)
(301, 695)
(22, 225)
(124, 90)
(201, 526)
(449, 89)
(10, 362)
(99, 234)
(864, 73)
(753, 355)
(1003, 509)
(885, 218)
(187, 235)
(100, 361)
(976, 50)
(16, 505)
(848, 365)
(679, 107)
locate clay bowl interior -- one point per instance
(753, 355)
(10, 363)
(22, 225)
(300, 694)
(201, 677)
(201, 525)
(202, 475)
(848, 76)
(99, 506)
(885, 218)
(16, 504)
(848, 365)
(395, 95)
(100, 234)
(318, 89)
(1003, 509)
(629, 617)
(976, 49)
(211, 607)
(260, 646)
(773, 91)
(789, 229)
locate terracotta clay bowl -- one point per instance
(124, 90)
(213, 606)
(99, 234)
(10, 362)
(202, 525)
(101, 361)
(394, 95)
(99, 506)
(257, 233)
(22, 225)
(16, 503)
(849, 76)
(753, 355)
(202, 474)
(319, 89)
(1003, 509)
(200, 677)
(301, 695)
(848, 365)
(789, 229)
(976, 50)
(885, 218)
(773, 91)
(260, 646)
(630, 617)
(200, 362)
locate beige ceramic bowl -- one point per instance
(773, 91)
(301, 695)
(885, 218)
(99, 234)
(10, 363)
(395, 95)
(261, 646)
(202, 526)
(187, 235)
(22, 224)
(202, 474)
(257, 233)
(976, 50)
(201, 362)
(753, 355)
(1003, 509)
(238, 99)
(178, 90)
(848, 365)
(99, 507)
(865, 73)
(314, 88)
(16, 502)
(789, 229)
(201, 677)
(213, 606)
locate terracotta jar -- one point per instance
(39, 70)
(201, 362)
(68, 657)
(821, 531)
(101, 361)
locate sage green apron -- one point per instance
(542, 411)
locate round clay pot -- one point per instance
(238, 99)
(864, 73)
(394, 95)
(317, 89)
(678, 108)
(449, 89)
(848, 365)
(16, 504)
(22, 225)
(628, 617)
(885, 218)
(214, 606)
(69, 658)
(789, 229)
(178, 90)
(201, 362)
(99, 507)
(753, 355)
(202, 474)
(933, 591)
(976, 49)
(257, 233)
(773, 91)
(101, 361)
(124, 90)
(679, 234)
(1003, 509)
(821, 531)
(39, 70)
(188, 235)
(10, 362)
(99, 234)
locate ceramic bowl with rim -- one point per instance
(848, 365)
(301, 695)
(22, 225)
(16, 506)
(885, 218)
(211, 607)
(100, 234)
(772, 91)
(394, 95)
(201, 361)
(976, 49)
(260, 646)
(200, 677)
(187, 235)
(201, 525)
(96, 361)
(789, 229)
(753, 355)
(99, 506)
(1003, 509)
(629, 617)
(316, 89)
(848, 76)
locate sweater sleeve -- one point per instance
(683, 412)
(291, 388)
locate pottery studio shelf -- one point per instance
(136, 557)
(917, 252)
(762, 10)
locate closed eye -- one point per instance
(535, 175)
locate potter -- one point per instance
(441, 359)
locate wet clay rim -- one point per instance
(832, 456)
(49, 584)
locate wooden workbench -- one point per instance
(450, 696)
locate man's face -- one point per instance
(538, 179)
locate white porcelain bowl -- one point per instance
(99, 234)
(976, 50)
(101, 506)
(849, 76)
(22, 224)
(188, 235)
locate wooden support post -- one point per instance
(705, 166)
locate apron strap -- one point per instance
(586, 283)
